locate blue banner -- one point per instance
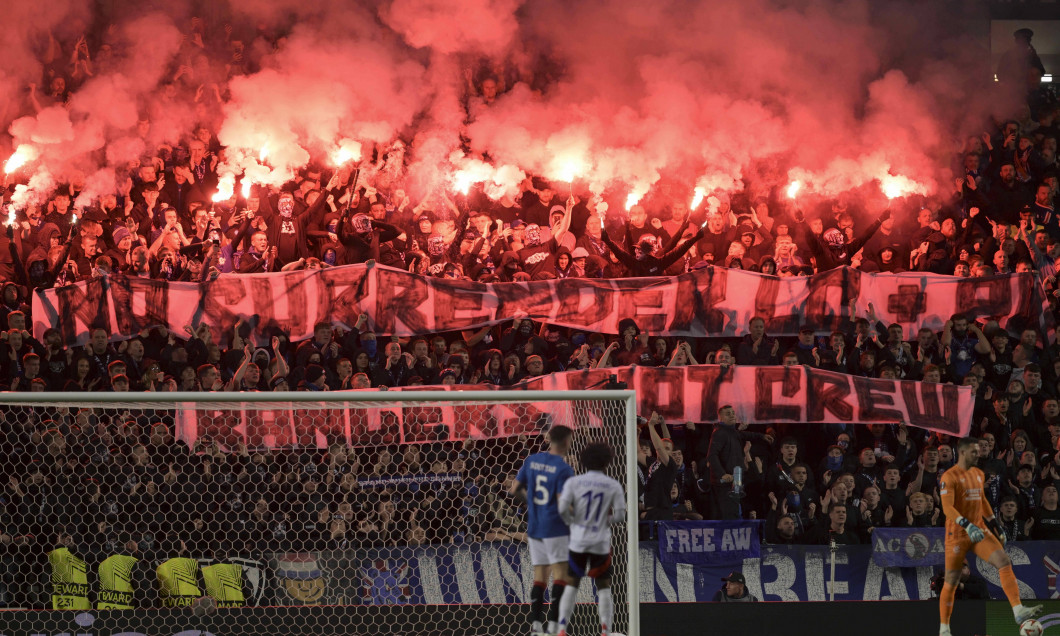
(708, 543)
(501, 573)
(802, 573)
(908, 547)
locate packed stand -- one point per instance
(98, 481)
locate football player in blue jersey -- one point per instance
(540, 481)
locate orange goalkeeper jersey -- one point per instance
(963, 495)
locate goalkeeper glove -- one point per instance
(975, 533)
(995, 527)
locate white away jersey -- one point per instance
(589, 504)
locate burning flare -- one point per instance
(794, 188)
(349, 150)
(570, 169)
(245, 188)
(635, 195)
(472, 172)
(700, 194)
(23, 154)
(894, 186)
(10, 215)
(225, 189)
(263, 153)
(462, 181)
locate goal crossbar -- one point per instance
(226, 397)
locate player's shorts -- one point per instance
(957, 548)
(549, 551)
(584, 564)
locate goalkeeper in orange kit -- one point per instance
(971, 526)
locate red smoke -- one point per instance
(728, 94)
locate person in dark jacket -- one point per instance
(287, 228)
(734, 590)
(782, 528)
(362, 237)
(831, 249)
(835, 527)
(726, 454)
(1020, 65)
(756, 348)
(642, 262)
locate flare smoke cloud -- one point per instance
(727, 94)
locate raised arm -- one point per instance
(982, 347)
(656, 439)
(281, 363)
(947, 334)
(676, 238)
(314, 214)
(564, 224)
(157, 245)
(387, 232)
(605, 359)
(860, 241)
(21, 275)
(674, 255)
(248, 354)
(623, 256)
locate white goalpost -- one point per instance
(371, 511)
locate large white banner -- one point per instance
(709, 302)
(765, 395)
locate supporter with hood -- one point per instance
(631, 344)
(10, 301)
(564, 267)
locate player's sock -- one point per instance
(607, 609)
(1012, 589)
(566, 605)
(553, 610)
(537, 604)
(949, 592)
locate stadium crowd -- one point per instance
(102, 481)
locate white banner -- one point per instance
(709, 302)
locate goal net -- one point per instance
(316, 513)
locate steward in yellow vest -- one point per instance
(178, 582)
(69, 576)
(123, 583)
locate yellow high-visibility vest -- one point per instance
(224, 582)
(178, 583)
(116, 582)
(69, 580)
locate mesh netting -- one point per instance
(365, 517)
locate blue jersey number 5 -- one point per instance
(540, 490)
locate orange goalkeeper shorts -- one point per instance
(957, 548)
